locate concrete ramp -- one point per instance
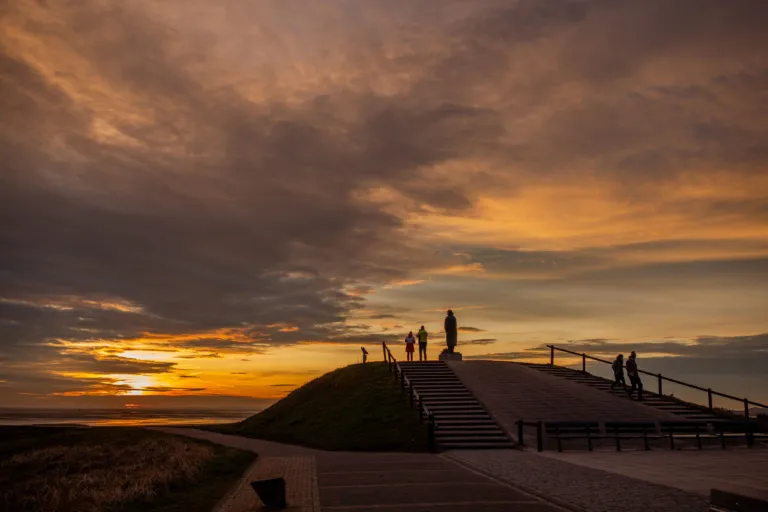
(511, 392)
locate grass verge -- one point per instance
(112, 469)
(358, 407)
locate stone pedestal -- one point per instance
(447, 356)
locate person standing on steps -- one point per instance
(422, 335)
(410, 341)
(634, 377)
(618, 372)
(451, 331)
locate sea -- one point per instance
(121, 417)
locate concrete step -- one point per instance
(451, 401)
(474, 427)
(460, 405)
(499, 438)
(446, 396)
(455, 407)
(455, 422)
(441, 380)
(477, 445)
(456, 412)
(459, 415)
(454, 418)
(438, 389)
(421, 376)
(471, 432)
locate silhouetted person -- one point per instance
(618, 372)
(422, 335)
(410, 341)
(634, 376)
(451, 331)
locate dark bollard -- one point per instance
(271, 492)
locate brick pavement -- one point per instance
(694, 471)
(590, 489)
(300, 485)
(372, 482)
(510, 392)
(389, 482)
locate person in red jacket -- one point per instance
(634, 377)
(410, 341)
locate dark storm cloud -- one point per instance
(480, 341)
(213, 210)
(108, 365)
(624, 259)
(738, 355)
(470, 329)
(201, 355)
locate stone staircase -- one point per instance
(462, 422)
(660, 402)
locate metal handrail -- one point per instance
(658, 376)
(640, 430)
(424, 411)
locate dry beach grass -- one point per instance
(104, 469)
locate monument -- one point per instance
(451, 339)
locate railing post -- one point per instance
(552, 355)
(746, 408)
(539, 437)
(584, 363)
(431, 427)
(659, 377)
(384, 349)
(421, 409)
(520, 432)
(709, 397)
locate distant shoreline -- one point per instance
(120, 417)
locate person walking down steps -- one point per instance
(634, 377)
(422, 335)
(410, 341)
(618, 372)
(451, 331)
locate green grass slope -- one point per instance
(359, 407)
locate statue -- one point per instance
(451, 331)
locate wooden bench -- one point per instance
(560, 430)
(749, 429)
(631, 430)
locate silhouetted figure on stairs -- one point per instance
(451, 331)
(634, 376)
(618, 372)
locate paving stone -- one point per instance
(398, 476)
(589, 489)
(474, 506)
(301, 489)
(417, 493)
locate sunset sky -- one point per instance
(206, 204)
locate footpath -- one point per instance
(321, 481)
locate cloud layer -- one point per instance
(230, 180)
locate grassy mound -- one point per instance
(70, 469)
(359, 407)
